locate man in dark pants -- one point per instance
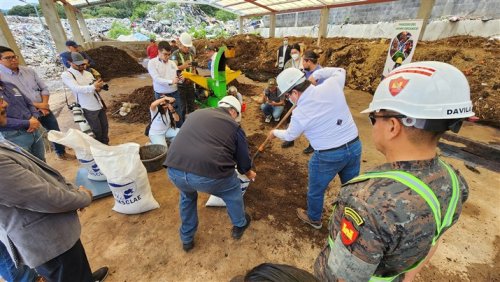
(31, 86)
(39, 226)
(86, 90)
(184, 57)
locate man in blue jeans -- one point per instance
(31, 86)
(202, 158)
(274, 102)
(323, 115)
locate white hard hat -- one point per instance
(289, 78)
(424, 90)
(231, 102)
(186, 39)
(232, 89)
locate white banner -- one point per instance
(403, 44)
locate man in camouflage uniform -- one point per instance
(382, 229)
(184, 57)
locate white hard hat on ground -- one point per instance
(289, 78)
(231, 102)
(186, 39)
(232, 89)
(424, 90)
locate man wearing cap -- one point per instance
(202, 158)
(86, 90)
(183, 57)
(74, 47)
(323, 115)
(173, 44)
(163, 71)
(386, 223)
(31, 86)
(39, 226)
(274, 102)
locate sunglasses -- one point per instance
(373, 117)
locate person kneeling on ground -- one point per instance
(274, 102)
(163, 119)
(202, 159)
(233, 91)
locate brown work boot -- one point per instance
(302, 214)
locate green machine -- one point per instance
(216, 84)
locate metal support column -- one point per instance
(7, 39)
(424, 12)
(272, 25)
(323, 24)
(54, 23)
(75, 29)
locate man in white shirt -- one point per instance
(86, 90)
(323, 115)
(163, 71)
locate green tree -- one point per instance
(29, 11)
(118, 29)
(224, 16)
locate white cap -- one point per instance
(289, 78)
(231, 102)
(186, 39)
(424, 90)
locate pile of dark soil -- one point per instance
(142, 96)
(363, 60)
(276, 194)
(112, 62)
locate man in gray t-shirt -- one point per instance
(274, 102)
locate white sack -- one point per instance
(79, 142)
(127, 177)
(214, 201)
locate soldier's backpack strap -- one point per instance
(427, 194)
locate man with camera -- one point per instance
(31, 86)
(164, 74)
(86, 90)
(184, 58)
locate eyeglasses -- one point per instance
(373, 117)
(10, 58)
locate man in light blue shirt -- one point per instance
(323, 115)
(33, 88)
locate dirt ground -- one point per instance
(146, 247)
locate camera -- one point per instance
(194, 64)
(105, 87)
(79, 118)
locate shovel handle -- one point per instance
(263, 145)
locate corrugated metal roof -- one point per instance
(247, 8)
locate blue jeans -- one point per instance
(178, 106)
(323, 167)
(276, 111)
(31, 142)
(8, 269)
(50, 123)
(189, 184)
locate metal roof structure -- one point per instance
(250, 8)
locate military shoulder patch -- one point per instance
(354, 216)
(348, 233)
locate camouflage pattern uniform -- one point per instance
(397, 225)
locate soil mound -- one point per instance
(143, 97)
(112, 62)
(364, 61)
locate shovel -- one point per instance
(263, 145)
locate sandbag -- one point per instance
(80, 143)
(127, 177)
(214, 201)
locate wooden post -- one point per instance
(240, 31)
(7, 39)
(83, 27)
(424, 12)
(54, 23)
(323, 24)
(272, 25)
(75, 29)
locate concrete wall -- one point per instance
(392, 11)
(435, 30)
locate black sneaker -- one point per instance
(308, 150)
(287, 144)
(238, 231)
(188, 246)
(100, 274)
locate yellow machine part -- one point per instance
(203, 81)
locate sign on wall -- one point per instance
(403, 44)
